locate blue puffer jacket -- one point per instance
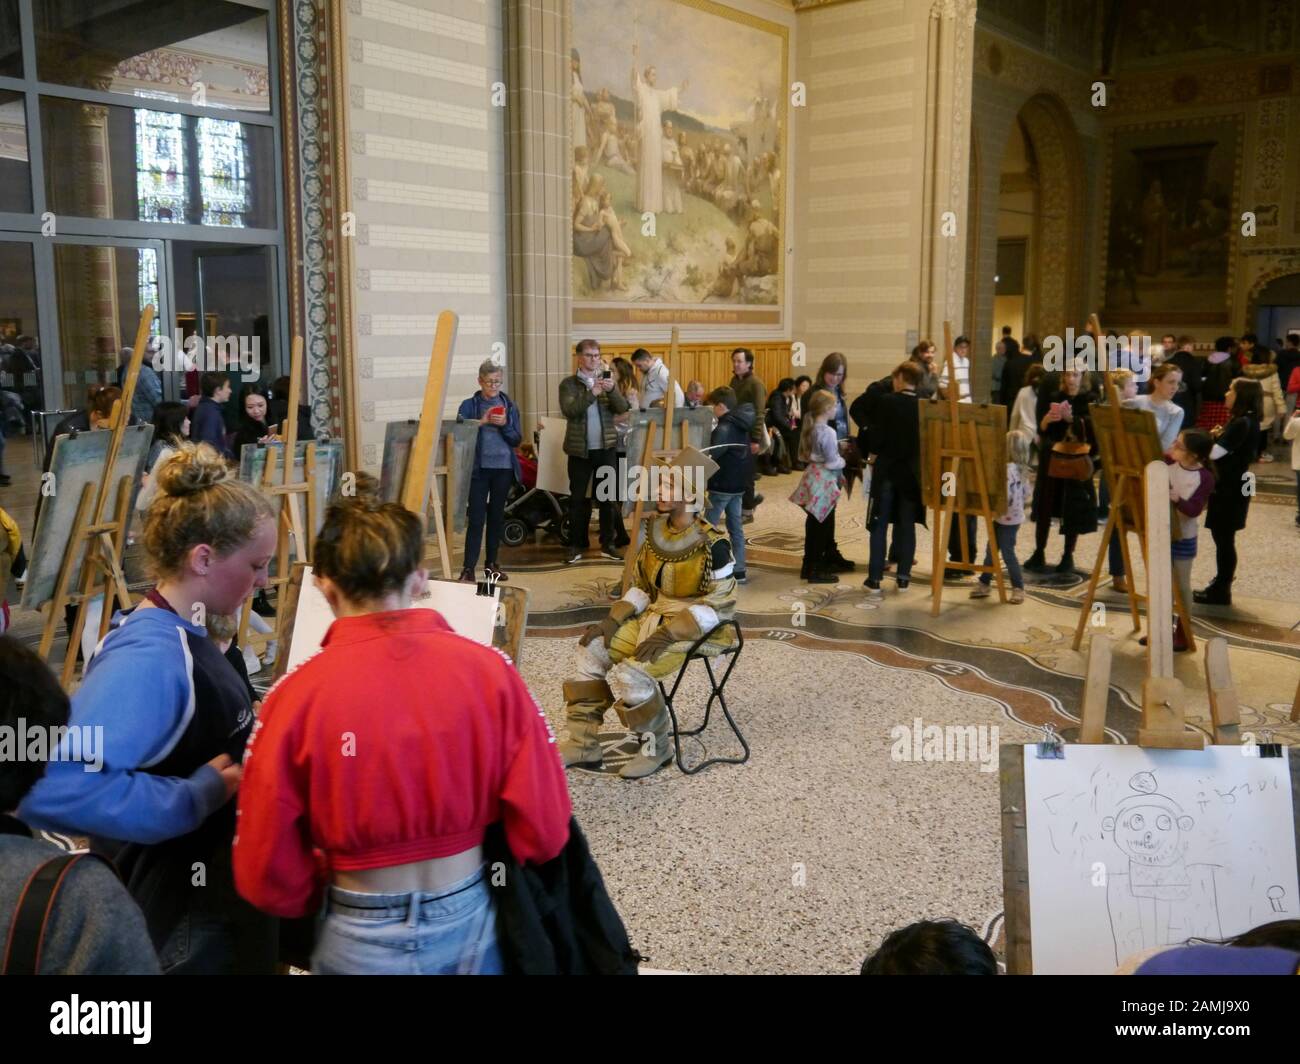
(729, 447)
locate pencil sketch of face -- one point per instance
(1150, 831)
(1148, 826)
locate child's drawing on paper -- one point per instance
(1133, 849)
(1160, 899)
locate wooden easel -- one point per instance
(1123, 465)
(285, 497)
(421, 473)
(954, 443)
(650, 454)
(102, 540)
(1163, 696)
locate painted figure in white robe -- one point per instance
(578, 102)
(651, 103)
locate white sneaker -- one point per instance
(980, 590)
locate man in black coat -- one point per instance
(894, 454)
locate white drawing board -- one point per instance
(469, 614)
(1132, 848)
(552, 462)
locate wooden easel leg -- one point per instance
(441, 532)
(1295, 706)
(1090, 596)
(89, 580)
(1125, 553)
(1096, 690)
(942, 532)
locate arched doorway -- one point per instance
(1038, 280)
(1273, 307)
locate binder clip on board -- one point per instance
(1051, 746)
(488, 585)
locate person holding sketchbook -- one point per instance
(378, 810)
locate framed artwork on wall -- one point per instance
(679, 117)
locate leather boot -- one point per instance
(585, 704)
(653, 727)
(1216, 594)
(1037, 563)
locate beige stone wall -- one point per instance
(426, 156)
(881, 153)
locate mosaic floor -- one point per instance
(802, 858)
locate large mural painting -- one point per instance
(679, 163)
(1172, 222)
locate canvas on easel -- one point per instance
(496, 620)
(963, 473)
(456, 443)
(1128, 442)
(96, 536)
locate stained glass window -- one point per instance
(148, 284)
(161, 187)
(223, 172)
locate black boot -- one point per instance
(1216, 594)
(1066, 564)
(1037, 562)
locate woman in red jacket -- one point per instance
(380, 761)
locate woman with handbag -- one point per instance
(1065, 488)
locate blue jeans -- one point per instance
(1007, 548)
(894, 509)
(452, 932)
(488, 491)
(720, 501)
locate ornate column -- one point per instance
(538, 226)
(946, 168)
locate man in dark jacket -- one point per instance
(1013, 374)
(206, 423)
(729, 447)
(589, 401)
(895, 458)
(749, 389)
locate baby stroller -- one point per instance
(530, 508)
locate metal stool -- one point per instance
(717, 688)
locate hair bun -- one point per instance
(365, 493)
(192, 469)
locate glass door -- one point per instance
(101, 287)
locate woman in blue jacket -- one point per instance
(496, 466)
(170, 717)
